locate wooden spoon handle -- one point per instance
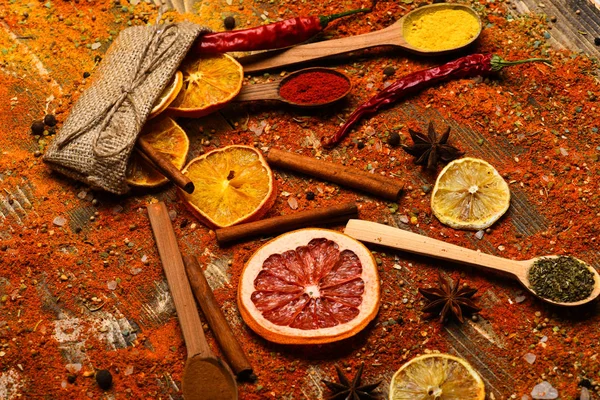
(391, 35)
(216, 320)
(185, 305)
(260, 91)
(375, 233)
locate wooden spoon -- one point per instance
(373, 232)
(205, 377)
(270, 91)
(393, 35)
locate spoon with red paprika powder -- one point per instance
(309, 87)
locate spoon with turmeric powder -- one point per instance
(429, 30)
(559, 280)
(308, 87)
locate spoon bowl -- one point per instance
(380, 234)
(393, 35)
(271, 90)
(205, 377)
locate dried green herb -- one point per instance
(563, 279)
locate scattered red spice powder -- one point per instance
(545, 119)
(314, 87)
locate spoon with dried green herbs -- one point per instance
(560, 280)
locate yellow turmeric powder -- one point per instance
(442, 29)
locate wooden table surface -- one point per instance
(475, 341)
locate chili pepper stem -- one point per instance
(497, 62)
(326, 19)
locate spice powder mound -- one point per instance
(316, 87)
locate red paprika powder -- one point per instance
(314, 87)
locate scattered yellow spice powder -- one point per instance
(442, 29)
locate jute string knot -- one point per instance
(98, 136)
(152, 57)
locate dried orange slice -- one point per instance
(168, 95)
(469, 194)
(209, 82)
(309, 286)
(233, 184)
(168, 139)
(439, 377)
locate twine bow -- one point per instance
(152, 56)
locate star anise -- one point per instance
(448, 299)
(429, 149)
(351, 390)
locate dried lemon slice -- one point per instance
(469, 194)
(437, 377)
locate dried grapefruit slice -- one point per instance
(168, 95)
(168, 139)
(437, 377)
(209, 82)
(233, 184)
(309, 286)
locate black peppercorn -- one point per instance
(394, 139)
(389, 71)
(71, 378)
(86, 75)
(597, 41)
(50, 120)
(37, 128)
(104, 379)
(360, 145)
(310, 196)
(229, 22)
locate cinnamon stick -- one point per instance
(164, 165)
(270, 226)
(216, 320)
(377, 185)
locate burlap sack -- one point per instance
(97, 137)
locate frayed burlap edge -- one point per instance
(98, 136)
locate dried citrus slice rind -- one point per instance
(233, 184)
(436, 376)
(168, 95)
(169, 140)
(469, 194)
(209, 82)
(309, 286)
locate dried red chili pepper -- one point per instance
(468, 66)
(272, 36)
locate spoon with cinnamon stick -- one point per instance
(372, 232)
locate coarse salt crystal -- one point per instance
(81, 195)
(544, 391)
(520, 299)
(479, 234)
(172, 215)
(59, 221)
(73, 368)
(585, 394)
(293, 203)
(530, 357)
(564, 151)
(544, 339)
(112, 285)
